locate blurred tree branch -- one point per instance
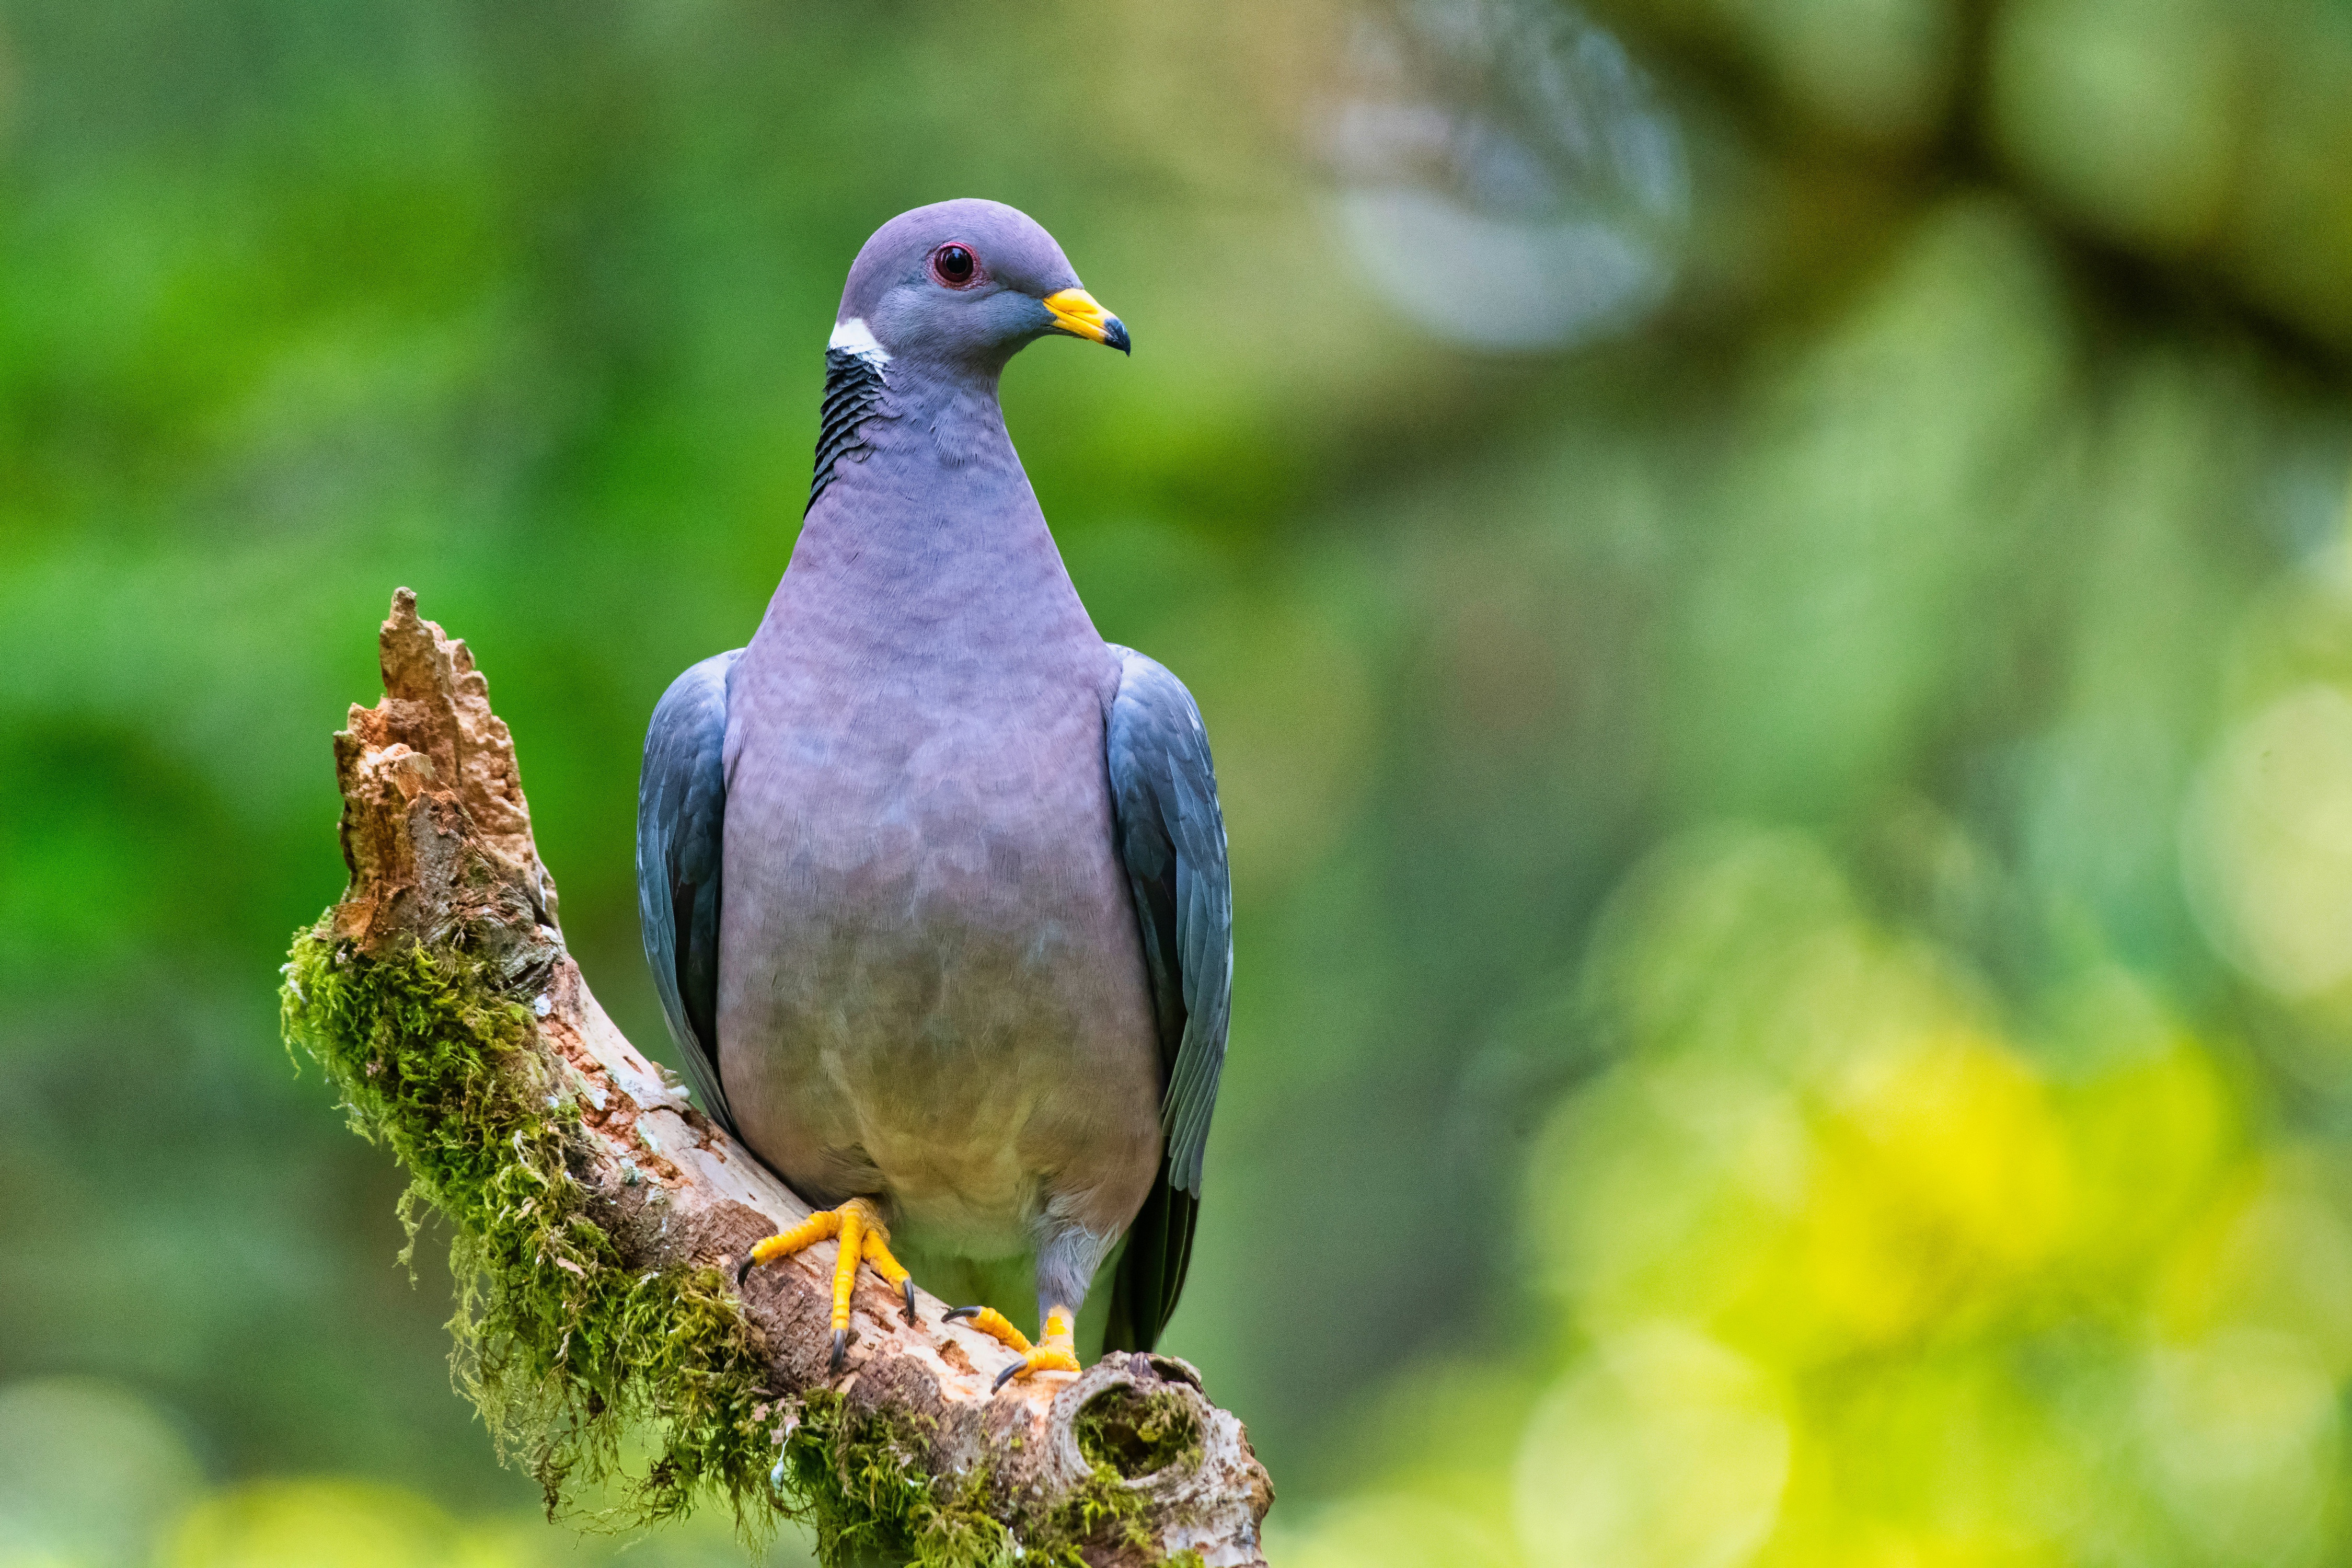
(1986, 102)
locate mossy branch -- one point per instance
(594, 1214)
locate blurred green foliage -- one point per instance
(1793, 885)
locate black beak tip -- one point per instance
(1114, 336)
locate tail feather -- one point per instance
(1152, 1271)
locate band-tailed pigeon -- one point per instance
(932, 879)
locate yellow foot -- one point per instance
(859, 1225)
(1058, 1354)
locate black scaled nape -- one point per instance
(852, 387)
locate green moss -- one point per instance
(566, 1352)
(861, 1480)
(1134, 1434)
(564, 1349)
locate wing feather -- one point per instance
(681, 827)
(1170, 833)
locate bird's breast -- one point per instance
(932, 980)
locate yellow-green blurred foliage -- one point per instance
(1772, 584)
(1830, 1270)
(97, 1478)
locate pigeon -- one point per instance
(931, 878)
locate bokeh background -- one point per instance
(1772, 584)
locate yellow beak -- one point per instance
(1075, 312)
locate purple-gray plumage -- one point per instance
(932, 879)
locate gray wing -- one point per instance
(1170, 836)
(681, 821)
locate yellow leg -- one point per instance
(876, 1252)
(858, 1225)
(1056, 1353)
(995, 1325)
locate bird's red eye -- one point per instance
(955, 266)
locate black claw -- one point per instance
(743, 1270)
(952, 1314)
(840, 1348)
(907, 1288)
(1007, 1375)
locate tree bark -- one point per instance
(437, 836)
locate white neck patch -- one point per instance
(856, 337)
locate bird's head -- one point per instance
(965, 285)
